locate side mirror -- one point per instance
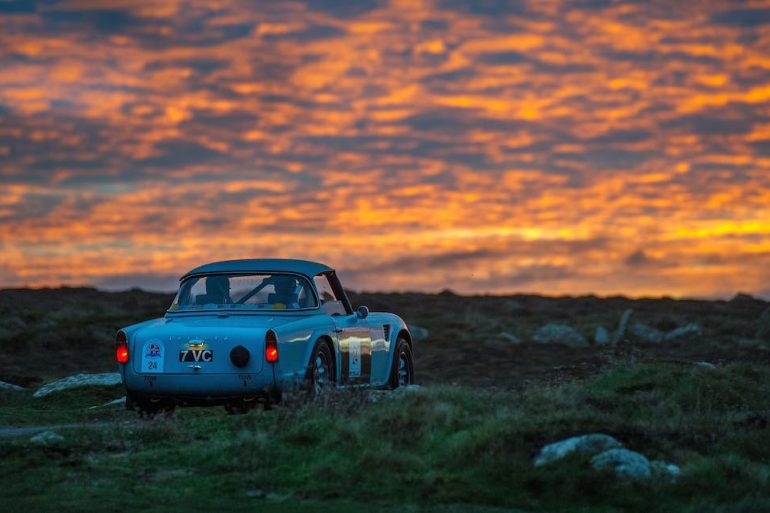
(362, 312)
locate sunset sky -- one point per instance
(483, 146)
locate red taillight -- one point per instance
(121, 349)
(271, 347)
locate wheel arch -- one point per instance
(326, 339)
(404, 333)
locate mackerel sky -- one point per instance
(558, 147)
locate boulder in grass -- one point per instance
(559, 334)
(623, 463)
(688, 332)
(665, 471)
(79, 380)
(119, 401)
(47, 438)
(602, 336)
(588, 445)
(11, 386)
(643, 333)
(620, 334)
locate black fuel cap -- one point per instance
(239, 355)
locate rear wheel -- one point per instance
(320, 372)
(402, 372)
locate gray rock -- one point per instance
(643, 333)
(509, 337)
(705, 365)
(118, 401)
(559, 334)
(11, 386)
(664, 471)
(418, 332)
(585, 444)
(623, 463)
(620, 334)
(47, 438)
(763, 326)
(79, 380)
(690, 331)
(602, 336)
(376, 395)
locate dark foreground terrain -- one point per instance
(492, 398)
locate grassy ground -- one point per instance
(442, 448)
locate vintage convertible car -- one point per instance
(242, 332)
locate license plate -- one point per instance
(196, 355)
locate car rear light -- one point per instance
(121, 348)
(271, 347)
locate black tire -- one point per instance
(402, 371)
(320, 375)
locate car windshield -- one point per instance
(266, 291)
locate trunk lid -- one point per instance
(200, 344)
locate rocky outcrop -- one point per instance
(79, 380)
(601, 336)
(11, 386)
(623, 463)
(47, 438)
(607, 454)
(664, 471)
(640, 332)
(585, 444)
(688, 332)
(620, 333)
(648, 335)
(119, 401)
(559, 334)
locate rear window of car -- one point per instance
(266, 291)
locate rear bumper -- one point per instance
(201, 387)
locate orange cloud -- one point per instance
(549, 148)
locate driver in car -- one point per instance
(217, 290)
(286, 295)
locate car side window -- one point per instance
(330, 304)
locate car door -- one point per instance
(353, 334)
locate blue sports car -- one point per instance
(241, 332)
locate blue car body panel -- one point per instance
(363, 347)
